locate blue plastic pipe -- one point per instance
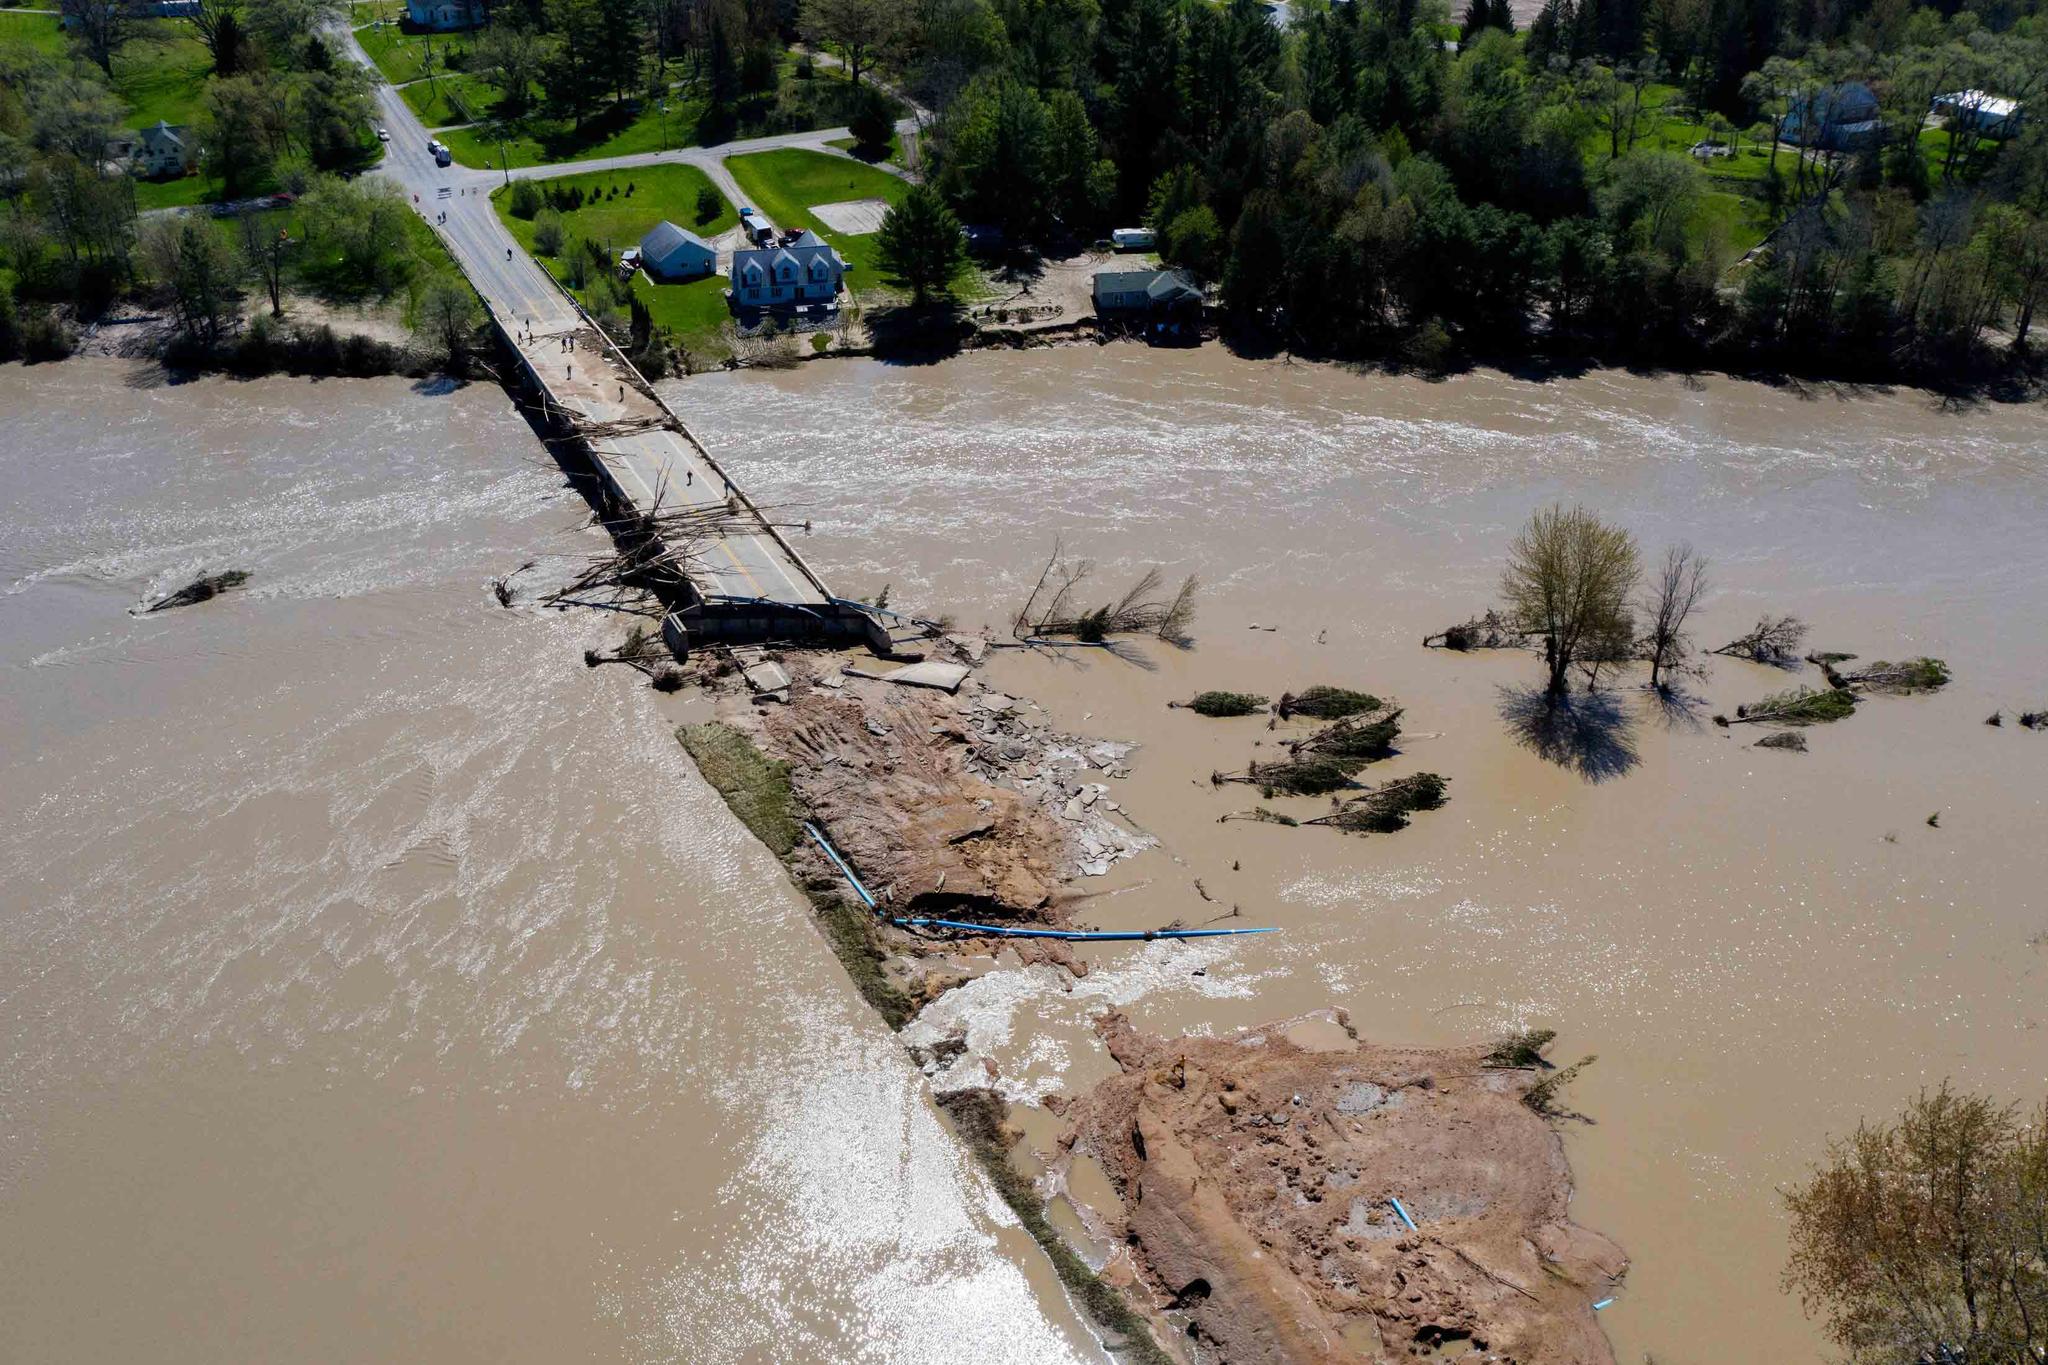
(1404, 1214)
(1072, 935)
(840, 863)
(1005, 931)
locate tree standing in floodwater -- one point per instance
(1568, 580)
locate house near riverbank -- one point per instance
(803, 271)
(669, 254)
(443, 15)
(1147, 296)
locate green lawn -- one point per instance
(1737, 219)
(541, 140)
(40, 31)
(186, 189)
(448, 99)
(543, 137)
(408, 56)
(693, 311)
(620, 220)
(162, 75)
(785, 184)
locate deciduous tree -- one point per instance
(1926, 1239)
(1675, 592)
(1568, 580)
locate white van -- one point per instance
(1133, 239)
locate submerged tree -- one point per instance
(1673, 595)
(1568, 580)
(1927, 1239)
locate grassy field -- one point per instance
(39, 31)
(542, 137)
(450, 98)
(786, 184)
(409, 56)
(693, 311)
(541, 140)
(162, 75)
(186, 189)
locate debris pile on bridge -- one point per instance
(655, 552)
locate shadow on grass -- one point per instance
(1588, 732)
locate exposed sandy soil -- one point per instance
(961, 805)
(1256, 1173)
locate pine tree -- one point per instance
(920, 245)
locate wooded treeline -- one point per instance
(1376, 179)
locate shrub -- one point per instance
(548, 233)
(44, 336)
(526, 199)
(708, 204)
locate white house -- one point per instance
(802, 271)
(1169, 294)
(668, 252)
(165, 149)
(1975, 111)
(446, 14)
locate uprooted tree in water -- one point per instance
(1491, 631)
(1325, 761)
(1902, 678)
(1386, 808)
(1216, 704)
(1837, 701)
(1775, 641)
(1326, 703)
(202, 589)
(1054, 606)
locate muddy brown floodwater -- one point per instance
(1761, 947)
(378, 983)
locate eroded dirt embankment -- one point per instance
(1256, 1173)
(1257, 1178)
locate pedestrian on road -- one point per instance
(622, 393)
(568, 371)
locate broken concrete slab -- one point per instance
(930, 673)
